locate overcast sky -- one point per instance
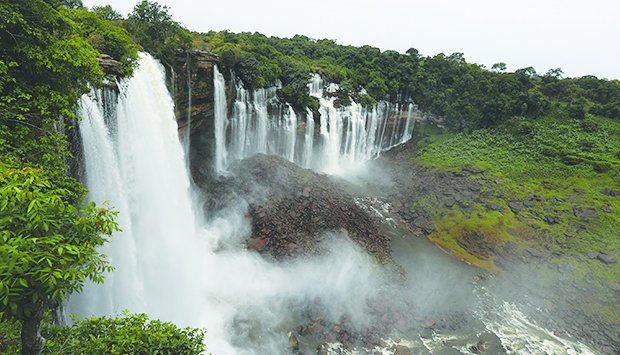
(581, 37)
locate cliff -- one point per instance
(191, 84)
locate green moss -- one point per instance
(491, 228)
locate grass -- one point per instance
(560, 165)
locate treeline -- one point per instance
(466, 94)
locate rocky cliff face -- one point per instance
(297, 208)
(191, 84)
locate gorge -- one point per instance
(170, 191)
(184, 261)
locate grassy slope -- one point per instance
(563, 165)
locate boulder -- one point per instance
(585, 214)
(424, 223)
(610, 192)
(402, 350)
(494, 207)
(515, 206)
(606, 258)
(535, 253)
(293, 342)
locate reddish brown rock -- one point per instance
(258, 244)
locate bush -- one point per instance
(127, 334)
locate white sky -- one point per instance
(581, 37)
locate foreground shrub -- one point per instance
(127, 334)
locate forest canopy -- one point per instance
(467, 95)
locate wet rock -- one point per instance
(585, 213)
(614, 287)
(402, 350)
(450, 202)
(552, 219)
(515, 206)
(295, 223)
(477, 245)
(610, 192)
(535, 253)
(293, 342)
(572, 198)
(424, 224)
(322, 349)
(473, 170)
(430, 323)
(479, 348)
(576, 225)
(606, 258)
(426, 333)
(494, 207)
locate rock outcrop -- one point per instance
(110, 66)
(295, 208)
(192, 82)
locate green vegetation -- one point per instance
(466, 95)
(152, 27)
(561, 167)
(46, 64)
(128, 334)
(105, 36)
(48, 248)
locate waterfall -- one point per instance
(173, 270)
(221, 120)
(308, 140)
(103, 178)
(140, 169)
(204, 276)
(348, 135)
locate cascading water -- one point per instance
(204, 276)
(167, 267)
(348, 135)
(141, 170)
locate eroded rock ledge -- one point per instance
(292, 209)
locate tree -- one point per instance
(72, 4)
(499, 67)
(108, 13)
(48, 248)
(154, 29)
